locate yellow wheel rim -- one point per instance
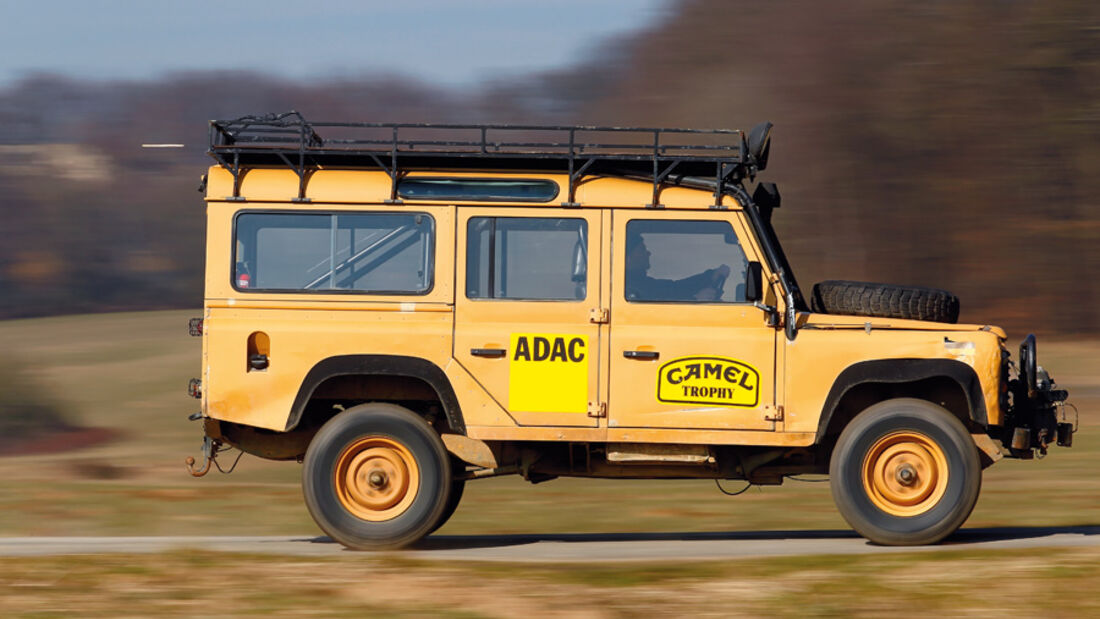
(376, 478)
(905, 473)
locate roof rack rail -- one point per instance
(725, 155)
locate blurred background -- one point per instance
(942, 144)
(938, 143)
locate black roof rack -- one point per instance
(723, 155)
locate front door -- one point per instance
(524, 305)
(686, 350)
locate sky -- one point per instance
(444, 42)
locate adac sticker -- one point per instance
(708, 380)
(548, 373)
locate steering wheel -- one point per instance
(720, 286)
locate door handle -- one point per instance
(492, 353)
(641, 354)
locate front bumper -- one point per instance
(1036, 412)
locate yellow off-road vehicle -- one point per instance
(406, 308)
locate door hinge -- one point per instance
(599, 315)
(778, 414)
(597, 409)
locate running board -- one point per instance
(649, 453)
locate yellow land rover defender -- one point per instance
(404, 308)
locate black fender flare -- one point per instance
(905, 371)
(378, 365)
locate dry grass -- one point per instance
(956, 583)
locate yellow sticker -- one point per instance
(708, 380)
(548, 373)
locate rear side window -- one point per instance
(527, 258)
(378, 253)
(475, 189)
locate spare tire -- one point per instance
(884, 301)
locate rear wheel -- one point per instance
(376, 476)
(458, 486)
(905, 472)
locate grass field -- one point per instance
(129, 372)
(1056, 583)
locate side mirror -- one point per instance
(754, 282)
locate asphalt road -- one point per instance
(572, 547)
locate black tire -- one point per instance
(333, 476)
(884, 301)
(458, 487)
(948, 503)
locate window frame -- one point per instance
(495, 218)
(717, 303)
(430, 266)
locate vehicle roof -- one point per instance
(348, 186)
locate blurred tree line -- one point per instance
(937, 143)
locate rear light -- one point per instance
(194, 388)
(194, 326)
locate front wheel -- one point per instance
(905, 472)
(376, 476)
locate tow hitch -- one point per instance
(209, 452)
(211, 448)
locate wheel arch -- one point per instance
(378, 365)
(864, 383)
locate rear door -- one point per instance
(528, 286)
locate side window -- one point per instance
(323, 252)
(684, 262)
(527, 258)
(480, 189)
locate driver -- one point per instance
(705, 286)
